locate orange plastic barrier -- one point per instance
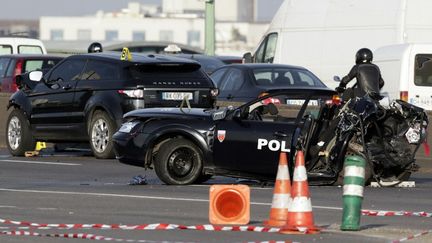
(300, 216)
(281, 194)
(229, 204)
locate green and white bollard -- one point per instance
(354, 179)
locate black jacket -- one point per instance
(369, 80)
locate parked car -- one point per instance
(21, 45)
(244, 82)
(13, 65)
(84, 97)
(208, 63)
(190, 146)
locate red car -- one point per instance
(13, 65)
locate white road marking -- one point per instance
(140, 197)
(7, 206)
(36, 162)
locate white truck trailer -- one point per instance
(324, 35)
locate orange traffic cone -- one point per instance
(300, 216)
(229, 204)
(281, 194)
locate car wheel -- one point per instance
(178, 162)
(102, 128)
(18, 135)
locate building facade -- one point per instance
(237, 28)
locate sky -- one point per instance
(33, 9)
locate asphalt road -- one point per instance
(71, 188)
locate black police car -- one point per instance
(83, 98)
(190, 145)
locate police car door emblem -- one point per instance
(221, 135)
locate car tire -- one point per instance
(178, 162)
(19, 138)
(102, 128)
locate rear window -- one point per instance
(423, 70)
(285, 77)
(29, 49)
(5, 49)
(44, 64)
(174, 74)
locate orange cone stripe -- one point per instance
(299, 189)
(301, 204)
(282, 201)
(282, 187)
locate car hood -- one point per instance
(184, 113)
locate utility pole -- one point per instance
(209, 27)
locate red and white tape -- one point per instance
(206, 227)
(412, 236)
(396, 213)
(75, 236)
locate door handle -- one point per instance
(280, 134)
(67, 87)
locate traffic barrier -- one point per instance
(300, 216)
(229, 204)
(281, 194)
(354, 178)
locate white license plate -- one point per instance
(177, 95)
(300, 102)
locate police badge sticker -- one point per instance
(221, 135)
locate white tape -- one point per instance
(300, 174)
(356, 171)
(301, 204)
(282, 173)
(353, 190)
(281, 200)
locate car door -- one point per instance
(52, 114)
(253, 146)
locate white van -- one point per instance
(324, 35)
(407, 69)
(21, 45)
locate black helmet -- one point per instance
(364, 55)
(94, 47)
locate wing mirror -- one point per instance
(36, 76)
(247, 57)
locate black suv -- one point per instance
(83, 98)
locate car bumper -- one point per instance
(128, 150)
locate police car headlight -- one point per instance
(128, 126)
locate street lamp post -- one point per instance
(209, 27)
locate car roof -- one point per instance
(264, 65)
(136, 58)
(156, 44)
(40, 56)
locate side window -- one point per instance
(217, 76)
(270, 48)
(233, 81)
(96, 70)
(423, 70)
(69, 70)
(29, 49)
(5, 49)
(3, 66)
(266, 51)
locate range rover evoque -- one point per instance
(83, 98)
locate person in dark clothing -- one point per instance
(368, 75)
